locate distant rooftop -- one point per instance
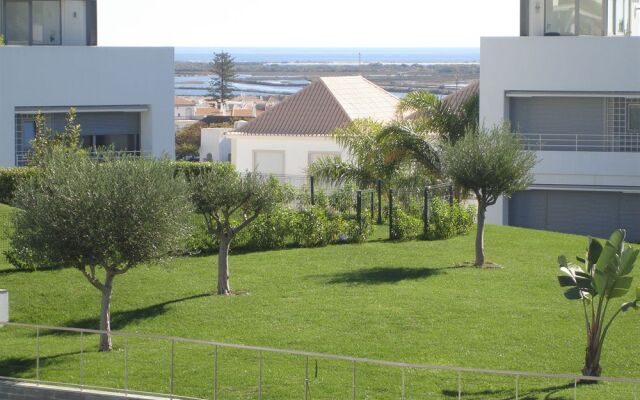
(184, 102)
(323, 106)
(456, 101)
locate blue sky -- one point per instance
(303, 23)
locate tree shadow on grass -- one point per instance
(509, 394)
(385, 275)
(120, 319)
(15, 367)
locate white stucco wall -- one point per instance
(89, 76)
(213, 141)
(561, 64)
(296, 148)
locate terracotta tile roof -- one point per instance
(455, 101)
(242, 112)
(205, 111)
(184, 102)
(323, 106)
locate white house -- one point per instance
(570, 84)
(292, 134)
(124, 96)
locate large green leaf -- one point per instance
(607, 258)
(630, 305)
(566, 281)
(620, 287)
(594, 251)
(617, 239)
(628, 261)
(573, 294)
(600, 281)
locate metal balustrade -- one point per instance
(354, 363)
(625, 143)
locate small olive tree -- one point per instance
(229, 201)
(490, 163)
(607, 275)
(102, 218)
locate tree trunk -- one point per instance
(223, 265)
(592, 356)
(480, 236)
(105, 314)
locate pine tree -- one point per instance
(224, 71)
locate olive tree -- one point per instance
(102, 218)
(229, 201)
(490, 163)
(607, 275)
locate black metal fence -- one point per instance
(416, 203)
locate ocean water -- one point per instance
(337, 56)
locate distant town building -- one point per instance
(297, 131)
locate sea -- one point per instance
(286, 85)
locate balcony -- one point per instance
(580, 17)
(629, 143)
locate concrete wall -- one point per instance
(561, 64)
(89, 76)
(296, 148)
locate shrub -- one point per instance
(358, 232)
(190, 169)
(342, 201)
(312, 228)
(447, 221)
(271, 231)
(303, 198)
(404, 226)
(10, 178)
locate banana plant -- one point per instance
(606, 276)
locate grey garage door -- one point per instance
(584, 213)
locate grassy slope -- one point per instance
(392, 301)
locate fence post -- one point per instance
(379, 187)
(81, 360)
(38, 355)
(359, 206)
(451, 195)
(312, 182)
(390, 213)
(171, 376)
(372, 206)
(425, 211)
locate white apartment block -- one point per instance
(51, 62)
(570, 85)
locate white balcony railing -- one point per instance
(624, 143)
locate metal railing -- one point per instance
(354, 363)
(624, 143)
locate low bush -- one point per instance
(190, 169)
(10, 178)
(447, 221)
(271, 231)
(313, 228)
(405, 226)
(343, 200)
(357, 232)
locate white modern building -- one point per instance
(51, 62)
(294, 133)
(570, 85)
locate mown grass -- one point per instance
(391, 301)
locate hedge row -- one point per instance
(10, 178)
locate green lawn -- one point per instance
(390, 301)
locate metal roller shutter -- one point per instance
(102, 123)
(578, 212)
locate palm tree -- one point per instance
(370, 159)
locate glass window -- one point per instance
(17, 22)
(591, 17)
(46, 22)
(560, 17)
(28, 134)
(618, 17)
(634, 117)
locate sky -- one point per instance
(304, 23)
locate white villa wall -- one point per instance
(296, 148)
(89, 76)
(214, 141)
(561, 64)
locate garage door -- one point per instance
(583, 213)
